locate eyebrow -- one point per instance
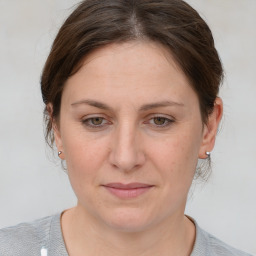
(145, 107)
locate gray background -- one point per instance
(32, 183)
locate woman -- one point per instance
(131, 100)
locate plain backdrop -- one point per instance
(32, 183)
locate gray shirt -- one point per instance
(45, 235)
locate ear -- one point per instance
(56, 131)
(211, 129)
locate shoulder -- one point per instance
(207, 244)
(219, 247)
(25, 238)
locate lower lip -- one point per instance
(128, 193)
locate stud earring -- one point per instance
(208, 154)
(60, 152)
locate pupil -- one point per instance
(97, 121)
(159, 120)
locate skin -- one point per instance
(131, 145)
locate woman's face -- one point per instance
(131, 132)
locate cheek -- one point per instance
(176, 156)
(84, 157)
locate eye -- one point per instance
(94, 122)
(97, 120)
(160, 121)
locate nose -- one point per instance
(126, 151)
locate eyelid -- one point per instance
(168, 119)
(87, 119)
(162, 116)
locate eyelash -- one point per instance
(168, 122)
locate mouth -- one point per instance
(127, 191)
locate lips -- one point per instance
(127, 191)
(127, 186)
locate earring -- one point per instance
(208, 154)
(60, 152)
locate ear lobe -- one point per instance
(57, 135)
(211, 128)
(56, 131)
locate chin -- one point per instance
(128, 220)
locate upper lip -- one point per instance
(127, 186)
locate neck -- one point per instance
(84, 236)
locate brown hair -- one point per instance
(95, 23)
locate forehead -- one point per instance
(116, 71)
(130, 58)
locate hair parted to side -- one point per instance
(95, 23)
